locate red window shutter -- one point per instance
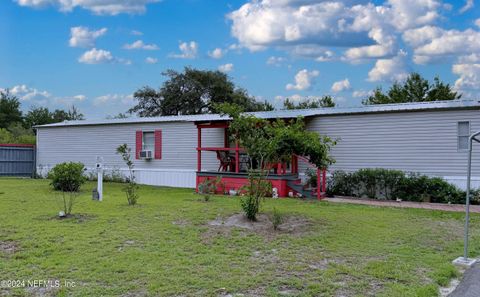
(158, 144)
(138, 143)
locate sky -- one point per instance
(94, 54)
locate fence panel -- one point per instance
(17, 160)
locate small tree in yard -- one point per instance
(131, 187)
(67, 177)
(269, 142)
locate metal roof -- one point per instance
(380, 108)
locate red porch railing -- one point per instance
(321, 175)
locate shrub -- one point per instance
(389, 184)
(341, 183)
(68, 200)
(311, 177)
(256, 190)
(131, 187)
(277, 218)
(208, 187)
(67, 177)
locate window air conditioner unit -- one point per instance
(147, 155)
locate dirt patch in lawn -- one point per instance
(263, 224)
(8, 247)
(128, 244)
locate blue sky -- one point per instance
(96, 53)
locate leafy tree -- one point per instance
(6, 136)
(192, 92)
(10, 112)
(21, 134)
(325, 101)
(414, 89)
(118, 116)
(43, 116)
(269, 142)
(38, 116)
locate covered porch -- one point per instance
(234, 163)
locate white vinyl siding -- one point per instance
(423, 141)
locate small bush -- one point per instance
(209, 187)
(255, 191)
(342, 183)
(68, 200)
(67, 177)
(277, 218)
(131, 187)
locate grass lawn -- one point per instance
(165, 246)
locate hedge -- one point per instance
(379, 183)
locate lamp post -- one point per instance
(465, 261)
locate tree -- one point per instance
(269, 142)
(192, 92)
(325, 101)
(10, 112)
(42, 116)
(120, 115)
(414, 89)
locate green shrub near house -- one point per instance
(67, 176)
(387, 184)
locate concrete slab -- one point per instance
(470, 284)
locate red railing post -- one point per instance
(237, 157)
(318, 184)
(324, 181)
(199, 151)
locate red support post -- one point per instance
(318, 184)
(324, 181)
(237, 157)
(199, 152)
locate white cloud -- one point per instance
(433, 44)
(361, 94)
(110, 99)
(275, 61)
(477, 22)
(413, 13)
(150, 60)
(83, 37)
(34, 97)
(188, 50)
(217, 53)
(469, 76)
(226, 67)
(95, 56)
(139, 44)
(386, 46)
(79, 97)
(100, 7)
(303, 80)
(25, 93)
(393, 69)
(468, 5)
(341, 86)
(302, 27)
(136, 33)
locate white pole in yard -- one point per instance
(465, 261)
(100, 178)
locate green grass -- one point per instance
(164, 247)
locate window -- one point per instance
(148, 143)
(463, 135)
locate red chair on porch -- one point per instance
(227, 163)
